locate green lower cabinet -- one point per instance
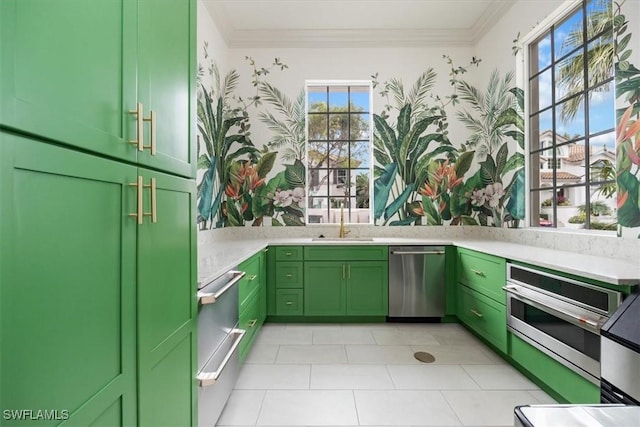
(349, 288)
(367, 288)
(289, 302)
(562, 383)
(167, 308)
(248, 322)
(253, 299)
(325, 288)
(262, 316)
(485, 316)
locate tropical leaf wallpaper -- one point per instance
(238, 185)
(627, 77)
(423, 178)
(420, 175)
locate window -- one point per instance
(339, 151)
(571, 118)
(552, 165)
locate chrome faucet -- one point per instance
(343, 231)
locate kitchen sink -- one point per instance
(342, 239)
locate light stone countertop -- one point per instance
(222, 255)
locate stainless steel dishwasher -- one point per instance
(416, 281)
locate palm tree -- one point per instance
(600, 55)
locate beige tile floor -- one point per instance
(366, 375)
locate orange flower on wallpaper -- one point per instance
(232, 191)
(429, 191)
(622, 198)
(625, 134)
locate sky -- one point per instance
(601, 103)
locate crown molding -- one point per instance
(348, 38)
(492, 14)
(353, 38)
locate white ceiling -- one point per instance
(349, 23)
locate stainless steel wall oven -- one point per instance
(560, 316)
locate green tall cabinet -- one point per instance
(97, 211)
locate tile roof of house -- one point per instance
(559, 175)
(576, 152)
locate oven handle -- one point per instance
(572, 318)
(209, 378)
(417, 252)
(205, 298)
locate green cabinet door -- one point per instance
(68, 72)
(324, 288)
(166, 82)
(263, 286)
(367, 288)
(67, 283)
(167, 305)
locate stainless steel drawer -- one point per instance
(217, 379)
(217, 314)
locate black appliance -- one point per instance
(620, 354)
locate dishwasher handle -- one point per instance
(417, 252)
(205, 298)
(209, 378)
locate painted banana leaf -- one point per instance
(205, 203)
(382, 188)
(516, 194)
(398, 203)
(629, 188)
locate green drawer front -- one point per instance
(288, 253)
(249, 321)
(289, 302)
(484, 273)
(251, 280)
(485, 316)
(346, 253)
(562, 380)
(289, 275)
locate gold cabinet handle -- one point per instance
(252, 277)
(476, 313)
(288, 276)
(349, 271)
(288, 253)
(138, 214)
(139, 128)
(140, 119)
(478, 272)
(153, 214)
(343, 271)
(289, 303)
(152, 145)
(252, 323)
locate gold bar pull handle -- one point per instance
(139, 127)
(152, 145)
(153, 213)
(138, 214)
(349, 271)
(343, 271)
(476, 313)
(478, 272)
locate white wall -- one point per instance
(348, 64)
(208, 32)
(495, 48)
